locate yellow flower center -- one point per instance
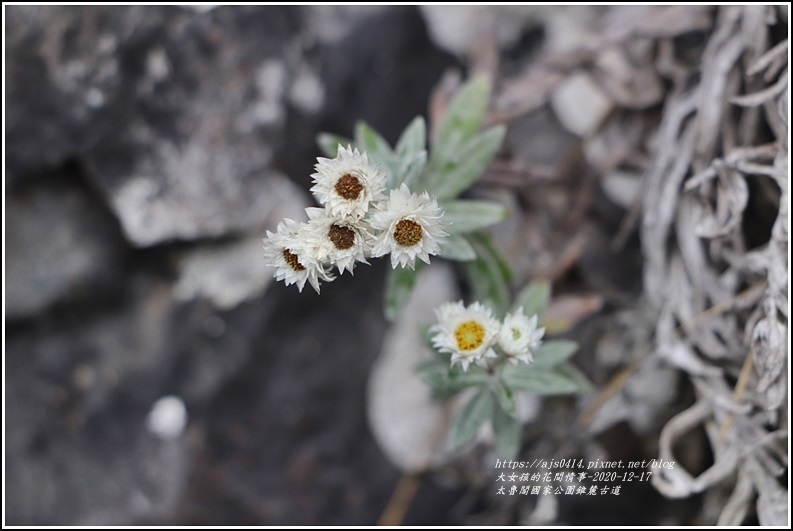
(515, 334)
(470, 335)
(348, 187)
(407, 233)
(292, 260)
(342, 237)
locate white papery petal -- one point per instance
(405, 209)
(519, 336)
(294, 259)
(364, 179)
(452, 316)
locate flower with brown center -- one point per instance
(347, 184)
(341, 241)
(294, 260)
(410, 226)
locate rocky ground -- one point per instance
(148, 149)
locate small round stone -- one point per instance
(292, 260)
(470, 335)
(348, 187)
(342, 237)
(407, 233)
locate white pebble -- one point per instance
(167, 418)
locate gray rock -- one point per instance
(77, 448)
(229, 273)
(408, 424)
(178, 113)
(60, 243)
(172, 111)
(79, 397)
(580, 104)
(458, 29)
(288, 430)
(332, 23)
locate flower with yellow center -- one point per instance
(347, 184)
(409, 226)
(342, 241)
(467, 333)
(294, 259)
(520, 336)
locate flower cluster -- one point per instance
(470, 334)
(358, 221)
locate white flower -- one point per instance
(466, 333)
(339, 240)
(347, 184)
(288, 251)
(519, 336)
(410, 226)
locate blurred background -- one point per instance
(155, 374)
